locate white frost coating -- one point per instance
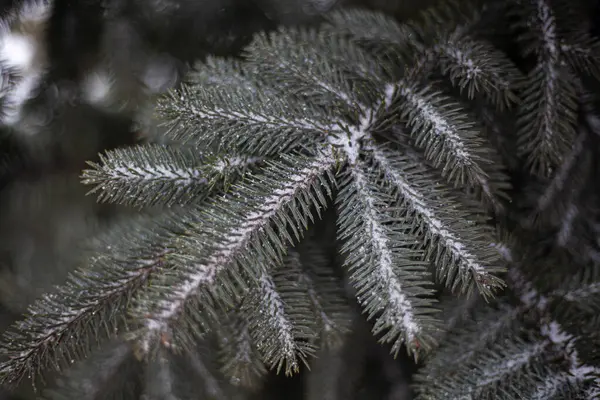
(498, 371)
(439, 125)
(236, 161)
(399, 311)
(436, 227)
(271, 305)
(548, 26)
(349, 140)
(593, 393)
(462, 59)
(583, 292)
(277, 122)
(553, 331)
(205, 273)
(154, 172)
(549, 388)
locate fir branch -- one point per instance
(242, 121)
(370, 29)
(55, 330)
(505, 368)
(461, 253)
(302, 71)
(392, 289)
(280, 319)
(325, 293)
(499, 324)
(553, 330)
(443, 130)
(476, 68)
(249, 232)
(148, 175)
(356, 63)
(548, 116)
(240, 359)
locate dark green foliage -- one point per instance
(398, 130)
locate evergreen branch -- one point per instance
(583, 290)
(547, 121)
(582, 54)
(552, 330)
(548, 116)
(461, 252)
(372, 29)
(352, 60)
(325, 293)
(240, 359)
(555, 385)
(392, 288)
(302, 71)
(241, 121)
(248, 232)
(447, 16)
(499, 324)
(477, 67)
(281, 321)
(507, 368)
(148, 175)
(439, 126)
(96, 296)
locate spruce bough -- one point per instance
(398, 129)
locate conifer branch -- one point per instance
(152, 174)
(241, 121)
(462, 253)
(302, 71)
(56, 329)
(249, 232)
(547, 119)
(280, 319)
(554, 332)
(440, 127)
(371, 29)
(496, 370)
(325, 293)
(240, 359)
(477, 68)
(392, 289)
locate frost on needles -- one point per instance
(390, 126)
